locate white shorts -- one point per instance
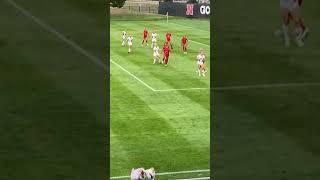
(130, 43)
(200, 63)
(289, 4)
(154, 40)
(156, 54)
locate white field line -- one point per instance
(199, 43)
(49, 29)
(265, 86)
(135, 77)
(188, 26)
(195, 178)
(182, 89)
(167, 173)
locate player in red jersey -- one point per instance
(145, 36)
(166, 52)
(168, 39)
(184, 44)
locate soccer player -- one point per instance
(200, 61)
(166, 52)
(290, 9)
(156, 55)
(154, 39)
(150, 174)
(138, 174)
(130, 42)
(168, 39)
(123, 38)
(184, 43)
(145, 36)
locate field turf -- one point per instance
(268, 132)
(52, 107)
(153, 122)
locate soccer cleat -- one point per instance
(304, 34)
(299, 41)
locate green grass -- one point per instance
(166, 130)
(52, 106)
(268, 133)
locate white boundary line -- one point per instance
(195, 178)
(265, 86)
(167, 173)
(132, 75)
(48, 28)
(199, 43)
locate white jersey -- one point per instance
(156, 51)
(124, 35)
(150, 173)
(130, 40)
(289, 4)
(138, 174)
(154, 37)
(200, 59)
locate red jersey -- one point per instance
(184, 40)
(166, 50)
(145, 33)
(168, 36)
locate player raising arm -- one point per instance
(200, 62)
(145, 36)
(184, 44)
(130, 43)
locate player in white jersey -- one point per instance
(150, 173)
(130, 42)
(156, 55)
(291, 9)
(200, 61)
(154, 39)
(123, 38)
(138, 174)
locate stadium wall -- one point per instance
(185, 10)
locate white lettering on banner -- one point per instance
(205, 9)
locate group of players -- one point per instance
(143, 174)
(290, 11)
(166, 49)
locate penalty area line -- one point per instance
(195, 178)
(167, 173)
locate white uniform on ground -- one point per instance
(130, 42)
(136, 174)
(289, 4)
(156, 54)
(123, 38)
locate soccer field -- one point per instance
(52, 96)
(268, 117)
(159, 115)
